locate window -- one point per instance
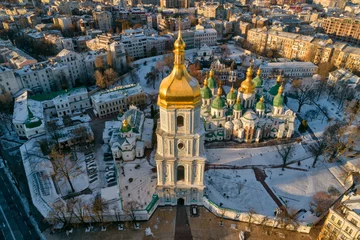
(339, 222)
(180, 173)
(180, 121)
(354, 221)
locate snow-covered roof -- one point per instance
(110, 193)
(22, 103)
(353, 203)
(116, 93)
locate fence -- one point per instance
(255, 218)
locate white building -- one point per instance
(135, 45)
(108, 102)
(15, 57)
(204, 36)
(128, 137)
(343, 220)
(76, 64)
(180, 154)
(90, 59)
(8, 82)
(103, 20)
(44, 107)
(44, 77)
(289, 69)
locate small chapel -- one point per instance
(245, 115)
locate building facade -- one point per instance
(180, 156)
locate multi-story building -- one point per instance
(91, 58)
(64, 22)
(188, 37)
(206, 36)
(32, 111)
(15, 57)
(343, 220)
(208, 9)
(44, 77)
(111, 101)
(8, 82)
(59, 42)
(342, 29)
(103, 20)
(135, 45)
(75, 62)
(175, 3)
(289, 69)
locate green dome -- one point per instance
(231, 95)
(274, 89)
(257, 81)
(212, 83)
(260, 105)
(218, 103)
(33, 122)
(237, 106)
(125, 126)
(206, 92)
(278, 100)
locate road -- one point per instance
(14, 221)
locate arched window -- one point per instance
(180, 173)
(180, 121)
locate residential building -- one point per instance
(64, 22)
(135, 45)
(15, 57)
(112, 101)
(206, 36)
(90, 59)
(289, 69)
(103, 20)
(175, 3)
(342, 29)
(343, 219)
(8, 82)
(44, 77)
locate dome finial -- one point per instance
(179, 44)
(259, 72)
(278, 80)
(262, 98)
(281, 89)
(232, 88)
(219, 91)
(205, 82)
(211, 73)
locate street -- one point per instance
(14, 221)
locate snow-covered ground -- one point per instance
(238, 189)
(143, 183)
(252, 156)
(296, 188)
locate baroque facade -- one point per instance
(180, 156)
(245, 116)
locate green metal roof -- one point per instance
(238, 107)
(212, 83)
(274, 89)
(260, 105)
(231, 95)
(257, 81)
(229, 112)
(278, 100)
(51, 95)
(206, 93)
(218, 103)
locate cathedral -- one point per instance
(245, 115)
(180, 155)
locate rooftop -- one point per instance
(116, 93)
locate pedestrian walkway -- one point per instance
(182, 227)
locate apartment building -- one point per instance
(342, 29)
(206, 36)
(103, 20)
(343, 220)
(8, 82)
(15, 57)
(76, 64)
(44, 77)
(175, 3)
(118, 99)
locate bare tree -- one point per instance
(285, 151)
(240, 186)
(159, 66)
(321, 201)
(302, 92)
(151, 78)
(317, 149)
(222, 214)
(130, 210)
(64, 167)
(80, 210)
(169, 60)
(352, 111)
(62, 212)
(251, 212)
(99, 208)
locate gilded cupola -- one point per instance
(179, 89)
(247, 86)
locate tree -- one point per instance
(251, 212)
(99, 63)
(130, 210)
(222, 214)
(317, 149)
(99, 79)
(195, 71)
(352, 111)
(6, 108)
(80, 210)
(240, 186)
(324, 69)
(337, 141)
(320, 87)
(321, 201)
(99, 207)
(81, 135)
(285, 151)
(169, 60)
(225, 51)
(150, 78)
(110, 76)
(159, 66)
(303, 92)
(303, 126)
(62, 211)
(64, 167)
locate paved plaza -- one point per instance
(206, 226)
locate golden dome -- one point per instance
(247, 85)
(262, 98)
(278, 80)
(258, 72)
(281, 89)
(179, 89)
(211, 74)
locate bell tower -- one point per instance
(180, 156)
